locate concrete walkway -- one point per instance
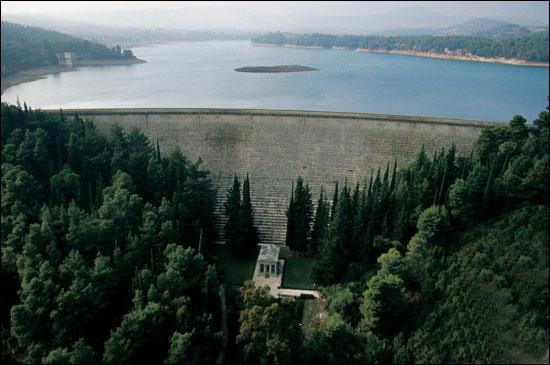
(297, 292)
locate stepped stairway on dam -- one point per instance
(276, 146)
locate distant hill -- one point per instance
(405, 32)
(236, 19)
(479, 27)
(471, 27)
(25, 47)
(531, 48)
(122, 35)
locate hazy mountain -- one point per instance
(479, 27)
(226, 18)
(526, 22)
(506, 30)
(121, 35)
(407, 32)
(471, 27)
(224, 22)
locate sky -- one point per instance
(281, 14)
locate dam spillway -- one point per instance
(276, 146)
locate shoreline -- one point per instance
(470, 58)
(39, 73)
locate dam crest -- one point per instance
(276, 146)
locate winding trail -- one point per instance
(223, 308)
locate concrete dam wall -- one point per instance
(275, 147)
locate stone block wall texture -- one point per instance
(275, 147)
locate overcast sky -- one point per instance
(250, 14)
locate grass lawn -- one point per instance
(310, 316)
(235, 271)
(297, 270)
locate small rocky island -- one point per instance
(275, 69)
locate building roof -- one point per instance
(269, 253)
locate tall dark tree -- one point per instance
(233, 212)
(300, 214)
(320, 224)
(334, 201)
(249, 231)
(290, 220)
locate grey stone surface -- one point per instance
(277, 146)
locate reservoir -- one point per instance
(201, 74)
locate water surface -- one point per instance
(201, 74)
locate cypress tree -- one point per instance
(393, 177)
(291, 219)
(250, 234)
(303, 211)
(440, 193)
(202, 244)
(373, 212)
(342, 233)
(158, 152)
(488, 192)
(320, 223)
(334, 202)
(233, 211)
(386, 173)
(355, 201)
(360, 222)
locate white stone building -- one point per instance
(268, 260)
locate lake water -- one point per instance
(201, 74)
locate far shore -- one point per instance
(471, 58)
(38, 73)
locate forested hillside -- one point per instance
(531, 47)
(104, 246)
(445, 260)
(27, 47)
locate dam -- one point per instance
(276, 146)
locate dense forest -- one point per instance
(107, 254)
(104, 246)
(27, 47)
(443, 261)
(531, 47)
